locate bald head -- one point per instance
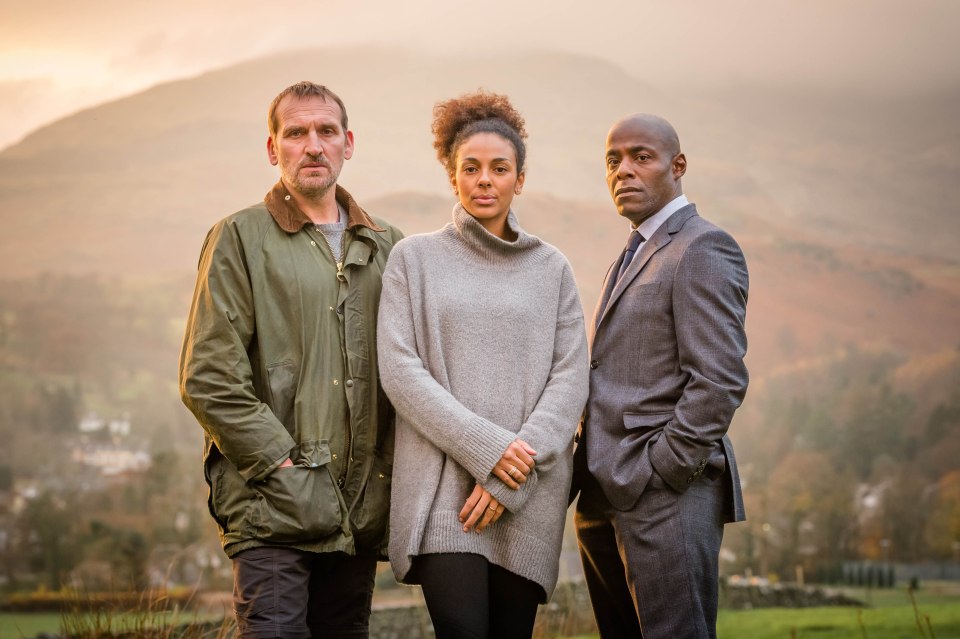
(654, 126)
(644, 165)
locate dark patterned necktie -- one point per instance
(635, 240)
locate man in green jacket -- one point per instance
(279, 366)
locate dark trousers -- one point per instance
(652, 571)
(470, 598)
(292, 594)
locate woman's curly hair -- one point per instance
(457, 119)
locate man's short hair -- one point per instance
(304, 89)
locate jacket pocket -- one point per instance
(649, 288)
(282, 378)
(230, 496)
(299, 503)
(370, 519)
(646, 421)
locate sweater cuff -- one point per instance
(512, 500)
(482, 444)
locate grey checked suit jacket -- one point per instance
(667, 372)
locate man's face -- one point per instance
(310, 144)
(643, 170)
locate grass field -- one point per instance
(16, 625)
(891, 616)
(896, 622)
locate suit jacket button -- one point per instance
(594, 363)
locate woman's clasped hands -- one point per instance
(481, 508)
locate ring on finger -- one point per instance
(493, 508)
(512, 470)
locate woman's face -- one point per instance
(486, 179)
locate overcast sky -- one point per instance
(58, 56)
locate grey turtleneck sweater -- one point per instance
(481, 341)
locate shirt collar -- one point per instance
(650, 225)
(288, 216)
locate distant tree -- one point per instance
(904, 512)
(47, 526)
(812, 504)
(943, 525)
(6, 478)
(130, 558)
(873, 426)
(124, 550)
(62, 408)
(163, 474)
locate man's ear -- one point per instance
(271, 151)
(679, 166)
(348, 146)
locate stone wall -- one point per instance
(781, 596)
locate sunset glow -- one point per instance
(69, 56)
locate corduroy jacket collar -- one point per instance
(291, 219)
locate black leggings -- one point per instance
(470, 598)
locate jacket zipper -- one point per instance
(347, 437)
(340, 276)
(342, 480)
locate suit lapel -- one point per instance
(614, 289)
(608, 283)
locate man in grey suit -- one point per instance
(656, 469)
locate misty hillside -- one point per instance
(843, 221)
(136, 182)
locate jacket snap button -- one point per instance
(594, 363)
(349, 383)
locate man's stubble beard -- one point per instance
(314, 188)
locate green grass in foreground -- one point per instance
(895, 622)
(891, 616)
(14, 625)
(29, 624)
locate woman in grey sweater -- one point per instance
(483, 353)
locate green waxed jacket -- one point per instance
(280, 360)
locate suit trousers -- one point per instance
(652, 570)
